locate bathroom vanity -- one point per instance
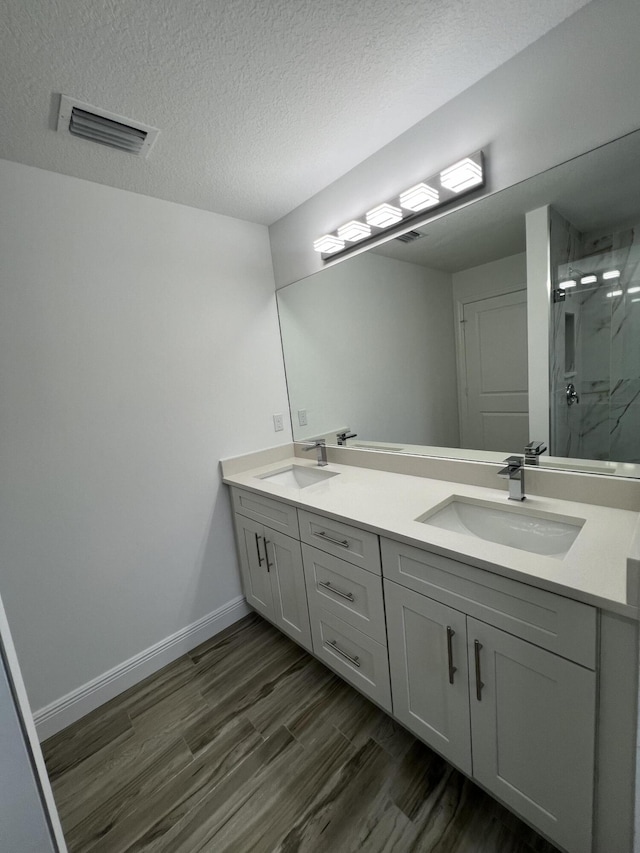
(514, 658)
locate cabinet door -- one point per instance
(253, 565)
(429, 674)
(533, 730)
(290, 610)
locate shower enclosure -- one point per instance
(595, 345)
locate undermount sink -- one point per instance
(298, 476)
(529, 530)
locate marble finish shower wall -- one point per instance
(606, 423)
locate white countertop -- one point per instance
(601, 567)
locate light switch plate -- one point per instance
(278, 423)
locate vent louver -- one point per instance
(105, 131)
(410, 236)
(97, 125)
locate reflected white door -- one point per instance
(495, 408)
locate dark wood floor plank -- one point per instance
(102, 817)
(70, 747)
(235, 636)
(250, 744)
(199, 827)
(265, 809)
(289, 696)
(160, 812)
(92, 782)
(243, 691)
(341, 815)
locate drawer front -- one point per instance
(274, 514)
(347, 591)
(563, 626)
(357, 658)
(342, 540)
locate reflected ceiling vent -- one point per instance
(97, 125)
(410, 236)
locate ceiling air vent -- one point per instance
(98, 125)
(410, 236)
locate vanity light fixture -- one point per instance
(384, 215)
(328, 244)
(354, 231)
(565, 285)
(588, 279)
(633, 290)
(430, 194)
(611, 274)
(419, 197)
(462, 175)
(614, 293)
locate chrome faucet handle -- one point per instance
(532, 451)
(513, 464)
(320, 445)
(343, 436)
(514, 472)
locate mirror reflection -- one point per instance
(429, 343)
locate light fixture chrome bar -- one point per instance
(433, 193)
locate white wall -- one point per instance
(573, 89)
(492, 279)
(369, 344)
(538, 319)
(138, 345)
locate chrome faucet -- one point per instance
(343, 436)
(533, 451)
(319, 445)
(515, 474)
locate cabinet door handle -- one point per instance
(450, 635)
(326, 585)
(266, 554)
(260, 557)
(343, 543)
(479, 684)
(336, 648)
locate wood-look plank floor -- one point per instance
(250, 744)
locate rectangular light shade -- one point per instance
(354, 230)
(589, 279)
(614, 293)
(564, 285)
(611, 274)
(327, 244)
(633, 290)
(462, 175)
(384, 215)
(419, 197)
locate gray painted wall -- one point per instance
(138, 345)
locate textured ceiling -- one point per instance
(260, 104)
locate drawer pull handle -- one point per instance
(327, 585)
(266, 554)
(336, 648)
(479, 684)
(260, 557)
(343, 543)
(450, 635)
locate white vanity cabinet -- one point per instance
(346, 608)
(516, 717)
(271, 565)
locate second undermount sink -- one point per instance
(298, 476)
(528, 530)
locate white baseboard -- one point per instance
(66, 710)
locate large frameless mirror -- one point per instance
(426, 344)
